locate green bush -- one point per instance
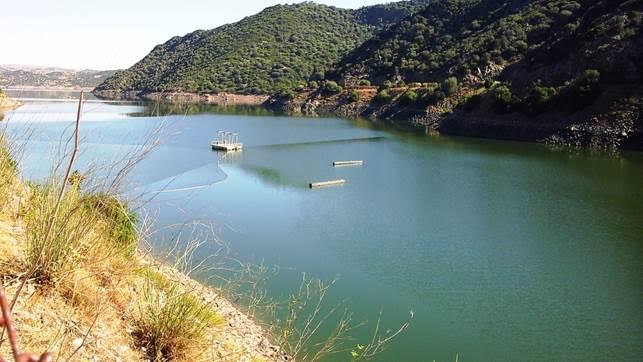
(502, 96)
(409, 97)
(472, 102)
(540, 97)
(331, 87)
(382, 96)
(120, 220)
(581, 91)
(450, 85)
(354, 96)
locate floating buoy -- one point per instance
(348, 163)
(314, 185)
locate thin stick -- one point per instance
(6, 322)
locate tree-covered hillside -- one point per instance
(273, 50)
(481, 37)
(384, 15)
(279, 49)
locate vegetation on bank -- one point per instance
(76, 250)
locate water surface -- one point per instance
(504, 250)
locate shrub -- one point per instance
(450, 85)
(588, 80)
(382, 96)
(120, 221)
(331, 87)
(502, 97)
(582, 90)
(170, 323)
(409, 97)
(54, 232)
(354, 96)
(540, 96)
(364, 82)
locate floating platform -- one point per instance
(227, 141)
(348, 163)
(219, 146)
(314, 185)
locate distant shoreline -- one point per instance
(49, 89)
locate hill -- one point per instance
(546, 70)
(277, 50)
(464, 37)
(15, 76)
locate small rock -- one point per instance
(77, 342)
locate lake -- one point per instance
(503, 250)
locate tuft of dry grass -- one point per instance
(8, 174)
(170, 323)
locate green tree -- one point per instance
(502, 97)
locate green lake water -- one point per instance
(505, 251)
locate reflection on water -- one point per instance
(161, 109)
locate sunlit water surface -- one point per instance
(503, 250)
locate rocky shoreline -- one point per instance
(610, 126)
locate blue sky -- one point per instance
(114, 33)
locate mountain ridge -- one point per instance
(279, 49)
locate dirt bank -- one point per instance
(90, 317)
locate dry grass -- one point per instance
(169, 322)
(86, 293)
(8, 175)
